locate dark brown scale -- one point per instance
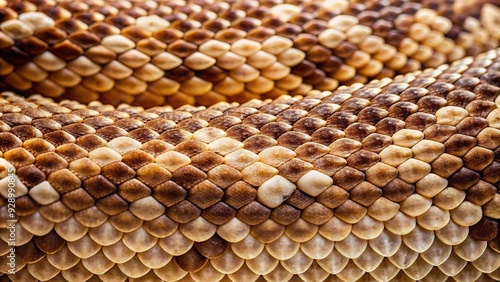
(459, 144)
(471, 126)
(239, 194)
(317, 214)
(21, 7)
(244, 112)
(198, 36)
(359, 131)
(246, 24)
(150, 46)
(289, 30)
(440, 89)
(481, 193)
(25, 206)
(397, 190)
(135, 33)
(71, 152)
(29, 252)
(331, 65)
(401, 110)
(487, 92)
(137, 159)
(365, 193)
(112, 204)
(66, 50)
(131, 190)
(382, 28)
(362, 160)
(169, 193)
(77, 200)
(341, 120)
(316, 77)
(111, 132)
(224, 122)
(191, 147)
(304, 68)
(135, 12)
(486, 229)
(49, 243)
(299, 199)
(219, 213)
(258, 120)
(371, 115)
(50, 162)
(214, 25)
(478, 158)
(121, 21)
(99, 186)
(345, 50)
(117, 172)
(260, 34)
(308, 125)
(420, 121)
(348, 178)
(143, 135)
(257, 143)
(241, 132)
(102, 29)
(354, 105)
(15, 56)
(90, 142)
(384, 101)
(285, 214)
(213, 247)
(204, 194)
(463, 178)
(191, 124)
(188, 176)
(376, 142)
(272, 23)
(480, 108)
(293, 139)
(253, 213)
(460, 98)
(431, 104)
(30, 175)
(413, 94)
(466, 83)
(180, 73)
(7, 14)
(191, 261)
(368, 18)
(25, 132)
(32, 45)
(181, 48)
(258, 12)
(230, 35)
(168, 35)
(305, 42)
(275, 129)
(318, 54)
(87, 17)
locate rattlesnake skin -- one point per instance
(250, 140)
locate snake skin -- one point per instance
(396, 178)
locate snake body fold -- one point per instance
(395, 178)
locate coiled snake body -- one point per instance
(310, 140)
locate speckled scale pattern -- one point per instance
(395, 180)
(200, 52)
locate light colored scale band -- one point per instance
(393, 180)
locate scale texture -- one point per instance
(393, 179)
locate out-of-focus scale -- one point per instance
(201, 52)
(393, 180)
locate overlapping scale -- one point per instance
(392, 180)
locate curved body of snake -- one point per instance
(310, 140)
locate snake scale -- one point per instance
(275, 140)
